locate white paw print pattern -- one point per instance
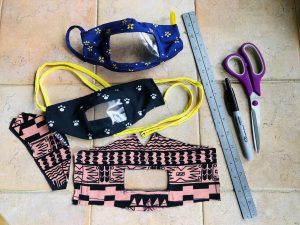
(139, 88)
(90, 136)
(140, 113)
(107, 131)
(61, 108)
(76, 123)
(153, 96)
(105, 96)
(128, 125)
(127, 100)
(51, 123)
(99, 94)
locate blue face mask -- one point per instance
(97, 47)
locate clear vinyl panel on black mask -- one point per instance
(133, 47)
(113, 109)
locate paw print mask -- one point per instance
(128, 45)
(121, 105)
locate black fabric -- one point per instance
(137, 98)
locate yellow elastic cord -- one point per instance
(175, 120)
(172, 18)
(41, 74)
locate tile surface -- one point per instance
(18, 169)
(270, 24)
(41, 208)
(32, 34)
(191, 214)
(272, 207)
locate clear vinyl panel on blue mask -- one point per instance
(133, 48)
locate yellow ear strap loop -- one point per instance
(187, 113)
(172, 18)
(40, 75)
(162, 122)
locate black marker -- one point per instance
(233, 109)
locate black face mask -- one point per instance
(125, 105)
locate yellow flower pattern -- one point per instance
(108, 51)
(147, 63)
(130, 70)
(130, 26)
(98, 30)
(90, 48)
(176, 40)
(167, 34)
(101, 59)
(155, 25)
(124, 21)
(86, 42)
(115, 66)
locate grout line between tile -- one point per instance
(1, 4)
(202, 213)
(275, 190)
(34, 191)
(218, 81)
(298, 23)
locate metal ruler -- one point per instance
(217, 109)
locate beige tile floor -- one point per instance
(33, 33)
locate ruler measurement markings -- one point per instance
(214, 109)
(234, 164)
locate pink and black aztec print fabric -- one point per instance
(192, 173)
(50, 150)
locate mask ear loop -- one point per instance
(80, 56)
(172, 18)
(175, 120)
(73, 68)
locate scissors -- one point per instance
(253, 68)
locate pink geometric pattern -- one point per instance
(50, 150)
(192, 173)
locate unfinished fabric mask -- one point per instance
(192, 173)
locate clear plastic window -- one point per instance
(113, 109)
(133, 47)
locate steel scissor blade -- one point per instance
(255, 120)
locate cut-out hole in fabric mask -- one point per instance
(162, 42)
(145, 180)
(192, 174)
(133, 47)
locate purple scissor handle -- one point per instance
(250, 76)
